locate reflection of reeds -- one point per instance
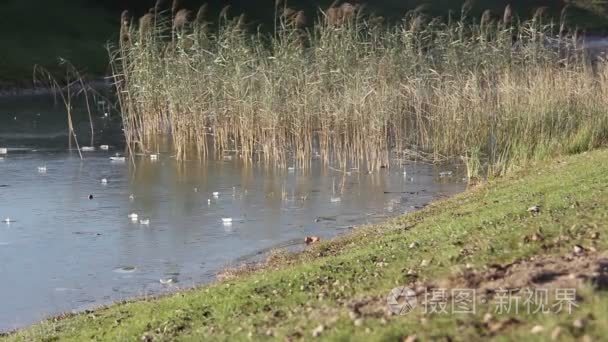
(507, 92)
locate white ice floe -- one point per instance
(118, 159)
(3, 150)
(104, 147)
(167, 281)
(8, 220)
(87, 148)
(227, 220)
(216, 194)
(335, 199)
(145, 222)
(134, 217)
(104, 181)
(42, 169)
(154, 157)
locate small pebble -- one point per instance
(311, 239)
(537, 329)
(487, 318)
(411, 338)
(556, 332)
(318, 330)
(578, 323)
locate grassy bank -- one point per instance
(497, 93)
(485, 239)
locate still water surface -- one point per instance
(65, 252)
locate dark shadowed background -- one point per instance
(41, 31)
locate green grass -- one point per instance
(294, 294)
(41, 32)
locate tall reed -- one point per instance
(357, 93)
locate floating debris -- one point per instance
(41, 169)
(154, 157)
(3, 150)
(311, 239)
(87, 148)
(104, 147)
(145, 222)
(445, 174)
(195, 189)
(216, 194)
(104, 181)
(91, 196)
(325, 218)
(228, 158)
(8, 220)
(125, 269)
(291, 169)
(535, 209)
(209, 201)
(134, 217)
(335, 199)
(131, 197)
(118, 158)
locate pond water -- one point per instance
(64, 252)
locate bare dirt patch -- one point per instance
(568, 271)
(571, 271)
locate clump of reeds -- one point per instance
(496, 92)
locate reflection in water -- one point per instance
(63, 251)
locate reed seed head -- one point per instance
(507, 15)
(181, 19)
(175, 6)
(201, 15)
